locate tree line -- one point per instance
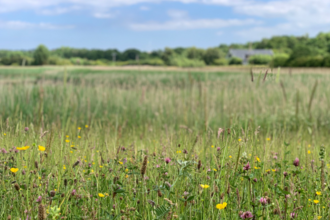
(292, 51)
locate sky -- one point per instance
(155, 24)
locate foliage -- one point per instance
(260, 59)
(211, 55)
(41, 55)
(235, 61)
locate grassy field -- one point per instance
(163, 144)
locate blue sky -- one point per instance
(155, 24)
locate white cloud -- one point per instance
(177, 14)
(186, 24)
(104, 15)
(144, 8)
(27, 25)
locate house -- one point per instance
(244, 54)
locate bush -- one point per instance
(211, 55)
(260, 59)
(220, 62)
(280, 60)
(41, 55)
(235, 61)
(184, 62)
(307, 62)
(55, 60)
(326, 61)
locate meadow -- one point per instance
(83, 143)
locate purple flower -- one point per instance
(23, 172)
(209, 170)
(73, 192)
(285, 174)
(157, 166)
(168, 184)
(247, 166)
(255, 180)
(167, 160)
(263, 201)
(114, 206)
(296, 162)
(26, 129)
(4, 151)
(124, 160)
(39, 199)
(293, 215)
(218, 148)
(166, 174)
(146, 178)
(275, 157)
(246, 215)
(185, 193)
(89, 164)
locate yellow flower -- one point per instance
(221, 206)
(101, 195)
(319, 217)
(268, 139)
(178, 151)
(230, 156)
(316, 201)
(257, 168)
(72, 146)
(120, 162)
(79, 136)
(309, 199)
(257, 158)
(86, 126)
(318, 193)
(309, 145)
(101, 166)
(212, 146)
(25, 167)
(126, 170)
(14, 170)
(215, 169)
(22, 148)
(274, 170)
(308, 151)
(67, 141)
(41, 148)
(64, 168)
(239, 139)
(67, 136)
(79, 128)
(55, 190)
(106, 194)
(4, 134)
(205, 186)
(126, 176)
(71, 151)
(39, 178)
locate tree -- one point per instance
(211, 55)
(41, 55)
(194, 53)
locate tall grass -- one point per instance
(122, 145)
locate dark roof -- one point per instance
(241, 53)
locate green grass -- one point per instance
(132, 115)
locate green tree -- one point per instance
(41, 55)
(212, 54)
(194, 53)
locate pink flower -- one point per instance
(296, 162)
(39, 199)
(167, 160)
(263, 201)
(246, 215)
(293, 215)
(247, 166)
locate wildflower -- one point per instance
(221, 206)
(39, 199)
(263, 201)
(145, 178)
(124, 160)
(239, 140)
(67, 141)
(22, 148)
(319, 217)
(102, 167)
(157, 166)
(126, 170)
(212, 146)
(274, 170)
(23, 172)
(79, 128)
(257, 159)
(26, 129)
(285, 174)
(101, 195)
(218, 148)
(73, 192)
(247, 167)
(204, 186)
(14, 170)
(215, 170)
(257, 168)
(275, 157)
(308, 151)
(318, 193)
(64, 168)
(255, 180)
(246, 215)
(86, 126)
(185, 193)
(178, 151)
(71, 151)
(296, 162)
(41, 148)
(4, 151)
(167, 160)
(120, 162)
(67, 136)
(268, 139)
(4, 134)
(230, 156)
(293, 215)
(316, 201)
